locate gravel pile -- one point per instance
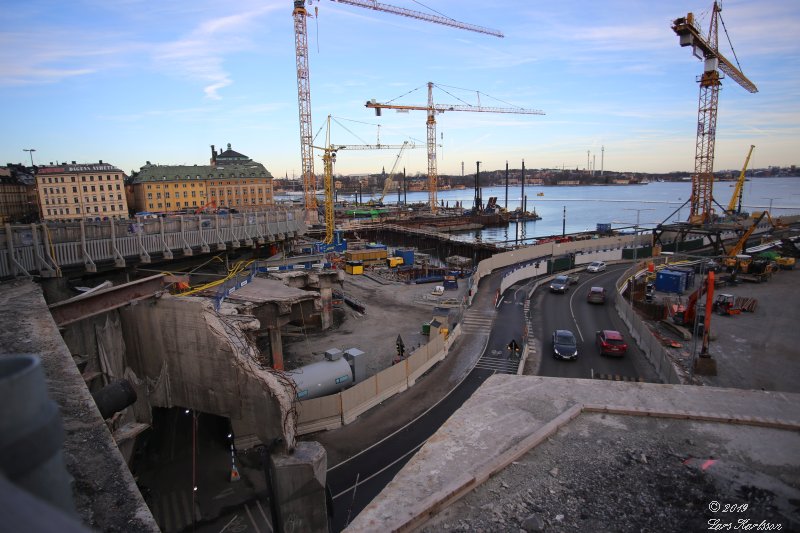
(624, 479)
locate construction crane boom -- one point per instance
(329, 158)
(700, 211)
(737, 191)
(300, 14)
(445, 21)
(431, 110)
(387, 185)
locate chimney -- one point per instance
(213, 155)
(74, 163)
(148, 163)
(101, 161)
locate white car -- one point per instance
(596, 266)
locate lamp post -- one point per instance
(770, 204)
(30, 151)
(635, 243)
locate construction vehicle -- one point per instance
(211, 204)
(707, 49)
(733, 208)
(685, 316)
(300, 14)
(732, 260)
(432, 109)
(725, 304)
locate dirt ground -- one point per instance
(392, 308)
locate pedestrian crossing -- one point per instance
(617, 377)
(173, 511)
(499, 362)
(477, 323)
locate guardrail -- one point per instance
(45, 249)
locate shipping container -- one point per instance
(669, 281)
(407, 254)
(394, 261)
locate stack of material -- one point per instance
(746, 304)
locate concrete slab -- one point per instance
(506, 410)
(262, 290)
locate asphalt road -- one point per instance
(356, 481)
(571, 311)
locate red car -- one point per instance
(611, 342)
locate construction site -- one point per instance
(260, 371)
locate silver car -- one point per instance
(596, 266)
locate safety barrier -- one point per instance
(335, 410)
(45, 249)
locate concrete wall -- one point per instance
(105, 492)
(335, 410)
(194, 358)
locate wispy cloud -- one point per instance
(200, 54)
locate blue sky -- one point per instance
(132, 81)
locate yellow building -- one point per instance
(87, 190)
(231, 181)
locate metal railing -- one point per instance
(44, 249)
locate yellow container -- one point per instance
(394, 261)
(354, 267)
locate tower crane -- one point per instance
(707, 49)
(300, 14)
(737, 191)
(328, 159)
(431, 110)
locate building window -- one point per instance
(92, 188)
(193, 194)
(72, 179)
(166, 195)
(149, 186)
(103, 198)
(75, 200)
(83, 178)
(104, 209)
(96, 209)
(120, 207)
(68, 210)
(158, 195)
(91, 178)
(119, 197)
(117, 186)
(113, 207)
(169, 204)
(101, 186)
(74, 189)
(149, 196)
(78, 210)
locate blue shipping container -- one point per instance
(669, 281)
(407, 254)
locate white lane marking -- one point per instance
(362, 481)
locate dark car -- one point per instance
(611, 342)
(564, 345)
(559, 284)
(597, 295)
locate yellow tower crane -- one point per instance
(328, 159)
(387, 185)
(707, 49)
(300, 14)
(431, 110)
(737, 191)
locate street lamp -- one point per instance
(770, 204)
(636, 228)
(30, 151)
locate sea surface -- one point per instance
(581, 208)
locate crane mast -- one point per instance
(710, 81)
(304, 106)
(431, 109)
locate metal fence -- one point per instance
(44, 249)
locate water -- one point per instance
(586, 206)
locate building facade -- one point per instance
(18, 199)
(90, 191)
(231, 181)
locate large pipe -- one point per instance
(31, 433)
(114, 397)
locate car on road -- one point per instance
(596, 266)
(560, 284)
(597, 295)
(564, 345)
(611, 342)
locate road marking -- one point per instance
(252, 520)
(362, 481)
(264, 515)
